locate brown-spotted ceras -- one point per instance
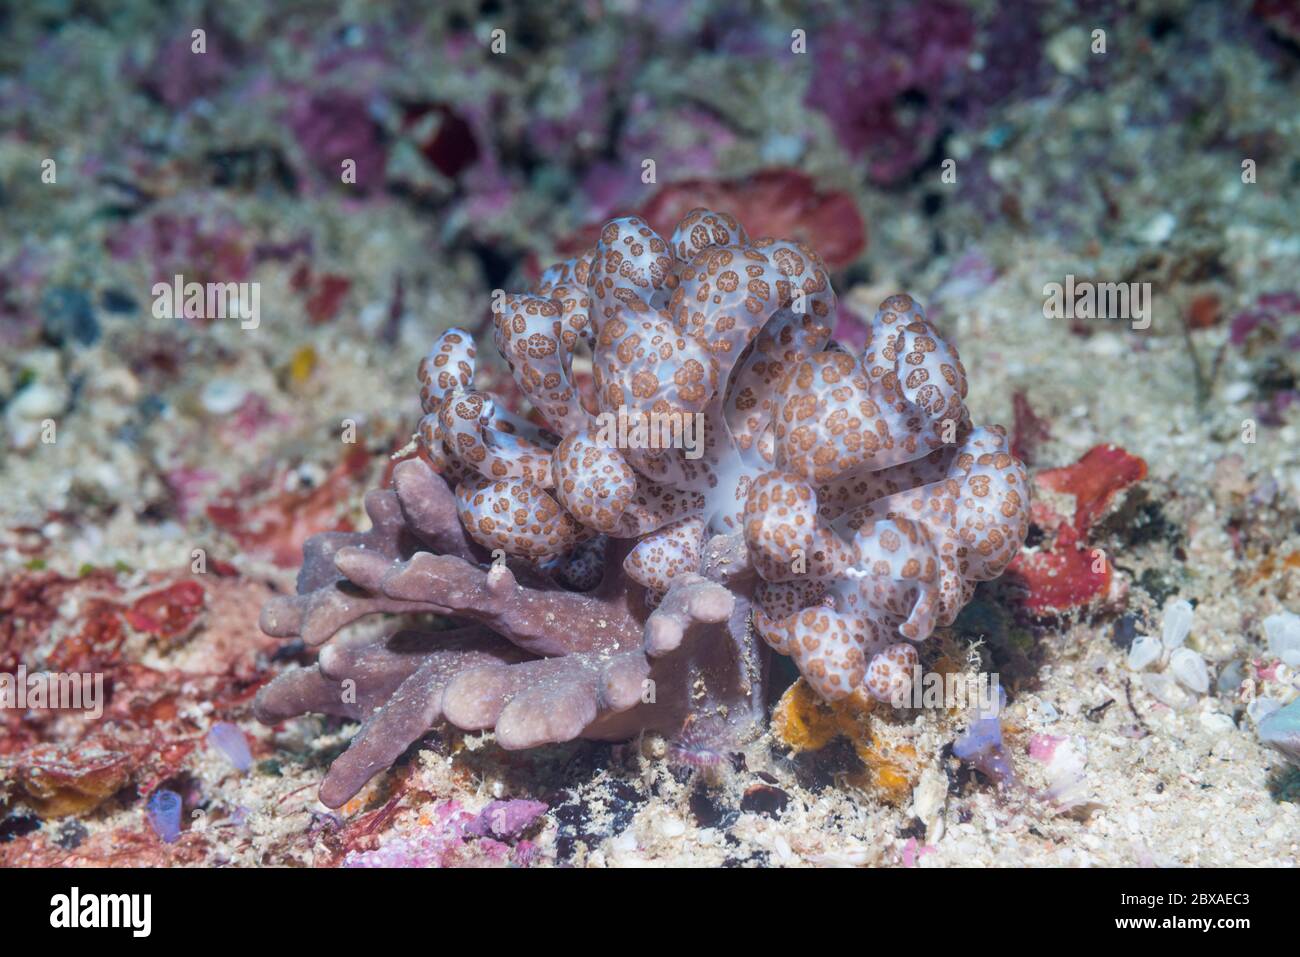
(866, 503)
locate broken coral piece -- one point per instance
(168, 613)
(1094, 481)
(1062, 577)
(60, 781)
(1066, 572)
(1064, 761)
(601, 571)
(265, 519)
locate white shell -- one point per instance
(1165, 690)
(1189, 668)
(1283, 631)
(1216, 722)
(222, 396)
(1144, 651)
(1177, 623)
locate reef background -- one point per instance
(474, 170)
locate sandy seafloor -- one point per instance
(1125, 167)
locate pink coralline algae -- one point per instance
(834, 507)
(451, 836)
(333, 127)
(878, 59)
(177, 77)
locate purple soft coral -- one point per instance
(830, 505)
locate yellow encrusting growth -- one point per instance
(302, 365)
(805, 722)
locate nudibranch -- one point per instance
(833, 507)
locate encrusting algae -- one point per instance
(805, 722)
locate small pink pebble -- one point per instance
(506, 819)
(913, 852)
(1043, 746)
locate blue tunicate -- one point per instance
(979, 738)
(230, 741)
(114, 300)
(69, 317)
(998, 137)
(150, 407)
(981, 745)
(1124, 631)
(165, 815)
